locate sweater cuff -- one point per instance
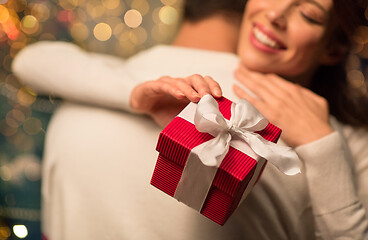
(329, 175)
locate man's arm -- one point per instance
(64, 70)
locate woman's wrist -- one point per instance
(312, 136)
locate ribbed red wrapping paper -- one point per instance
(237, 169)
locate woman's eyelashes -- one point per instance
(312, 13)
(310, 19)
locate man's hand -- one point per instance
(164, 98)
(300, 113)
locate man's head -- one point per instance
(196, 10)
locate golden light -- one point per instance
(102, 32)
(4, 14)
(155, 16)
(114, 21)
(79, 31)
(6, 130)
(18, 115)
(118, 11)
(20, 231)
(18, 5)
(361, 35)
(40, 11)
(29, 24)
(97, 11)
(353, 62)
(82, 15)
(47, 37)
(124, 36)
(356, 78)
(168, 15)
(168, 2)
(68, 4)
(6, 174)
(33, 171)
(141, 5)
(118, 29)
(32, 126)
(16, 47)
(26, 96)
(4, 231)
(133, 18)
(10, 121)
(140, 35)
(364, 51)
(110, 4)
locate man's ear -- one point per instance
(333, 54)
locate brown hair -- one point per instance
(196, 10)
(331, 81)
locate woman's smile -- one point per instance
(264, 40)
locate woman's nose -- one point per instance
(277, 14)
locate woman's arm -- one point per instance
(64, 70)
(329, 165)
(331, 177)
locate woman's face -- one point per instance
(286, 37)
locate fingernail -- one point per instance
(180, 93)
(217, 92)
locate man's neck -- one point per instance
(215, 33)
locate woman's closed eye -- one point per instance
(312, 13)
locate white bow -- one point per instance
(244, 122)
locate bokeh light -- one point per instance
(40, 11)
(142, 6)
(110, 4)
(29, 24)
(102, 32)
(4, 14)
(26, 96)
(20, 231)
(356, 78)
(133, 18)
(169, 2)
(4, 230)
(32, 126)
(168, 15)
(79, 31)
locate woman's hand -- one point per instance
(164, 98)
(300, 113)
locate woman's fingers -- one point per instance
(214, 86)
(193, 87)
(178, 88)
(257, 83)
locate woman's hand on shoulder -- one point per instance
(165, 97)
(299, 112)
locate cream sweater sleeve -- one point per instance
(331, 176)
(64, 70)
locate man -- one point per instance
(98, 162)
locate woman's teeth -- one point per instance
(263, 38)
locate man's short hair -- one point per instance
(196, 10)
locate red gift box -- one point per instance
(234, 178)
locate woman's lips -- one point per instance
(265, 40)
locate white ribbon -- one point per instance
(244, 122)
(204, 160)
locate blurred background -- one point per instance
(117, 27)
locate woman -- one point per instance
(292, 58)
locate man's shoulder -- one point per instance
(179, 61)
